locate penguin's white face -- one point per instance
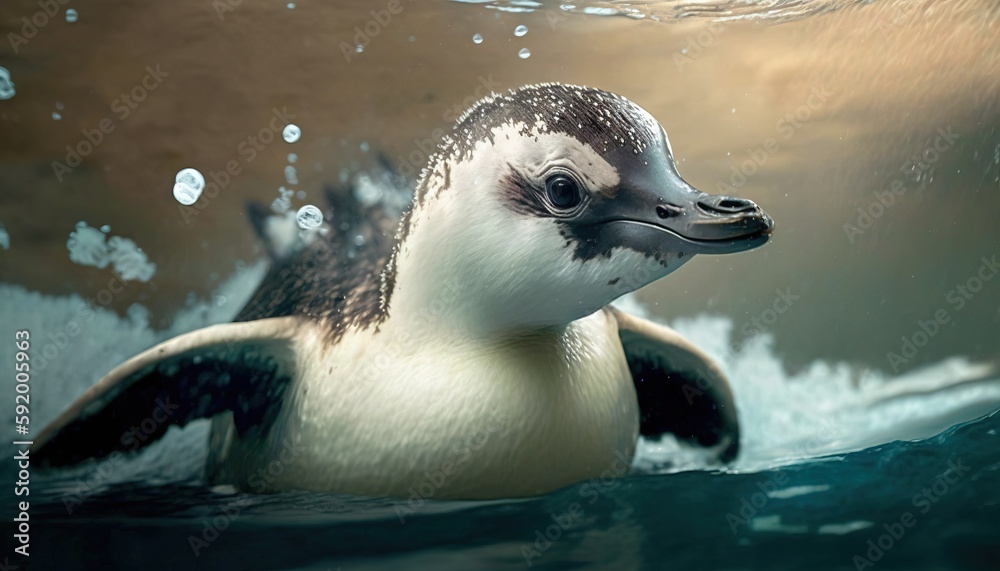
(541, 226)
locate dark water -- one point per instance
(931, 504)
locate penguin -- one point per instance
(470, 354)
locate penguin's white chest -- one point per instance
(459, 419)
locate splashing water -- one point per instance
(89, 246)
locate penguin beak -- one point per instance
(655, 210)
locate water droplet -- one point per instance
(309, 217)
(291, 133)
(524, 53)
(477, 38)
(292, 157)
(6, 85)
(71, 15)
(56, 116)
(520, 31)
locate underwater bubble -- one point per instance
(292, 157)
(4, 238)
(186, 194)
(106, 228)
(359, 48)
(59, 105)
(359, 240)
(71, 15)
(301, 195)
(6, 85)
(291, 175)
(56, 116)
(520, 31)
(364, 146)
(291, 133)
(291, 5)
(524, 53)
(192, 178)
(477, 38)
(309, 217)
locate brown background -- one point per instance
(895, 75)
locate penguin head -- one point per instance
(553, 200)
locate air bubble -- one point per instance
(188, 185)
(291, 133)
(524, 53)
(520, 31)
(309, 217)
(477, 38)
(71, 15)
(56, 116)
(292, 157)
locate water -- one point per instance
(863, 354)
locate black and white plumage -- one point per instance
(474, 342)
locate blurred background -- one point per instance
(812, 109)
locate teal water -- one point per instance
(930, 504)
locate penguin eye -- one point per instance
(562, 192)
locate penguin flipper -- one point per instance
(240, 367)
(681, 390)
